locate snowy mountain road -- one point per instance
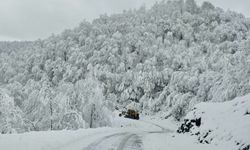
(124, 140)
(106, 141)
(163, 129)
(119, 141)
(131, 141)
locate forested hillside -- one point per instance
(166, 59)
(8, 47)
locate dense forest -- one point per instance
(164, 59)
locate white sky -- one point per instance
(33, 19)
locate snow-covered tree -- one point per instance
(90, 95)
(11, 120)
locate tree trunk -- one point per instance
(91, 115)
(51, 114)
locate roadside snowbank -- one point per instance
(223, 122)
(174, 141)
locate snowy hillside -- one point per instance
(8, 47)
(223, 122)
(166, 59)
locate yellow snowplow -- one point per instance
(132, 114)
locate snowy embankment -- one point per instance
(226, 122)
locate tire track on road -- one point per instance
(128, 141)
(163, 129)
(95, 144)
(76, 140)
(131, 141)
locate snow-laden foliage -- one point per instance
(167, 58)
(10, 116)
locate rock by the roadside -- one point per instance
(188, 124)
(246, 148)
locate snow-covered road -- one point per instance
(125, 140)
(119, 141)
(119, 138)
(125, 135)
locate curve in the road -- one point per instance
(128, 140)
(163, 129)
(94, 145)
(76, 140)
(131, 141)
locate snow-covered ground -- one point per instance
(225, 122)
(145, 134)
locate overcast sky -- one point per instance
(33, 19)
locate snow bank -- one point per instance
(223, 122)
(175, 141)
